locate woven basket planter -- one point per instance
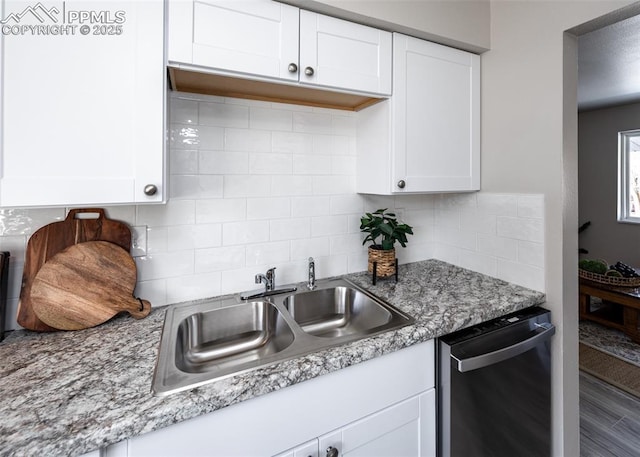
(609, 280)
(386, 261)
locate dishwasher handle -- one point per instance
(543, 331)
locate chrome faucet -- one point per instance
(312, 274)
(269, 279)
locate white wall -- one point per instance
(463, 24)
(606, 238)
(257, 184)
(529, 131)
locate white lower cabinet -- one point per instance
(402, 430)
(381, 407)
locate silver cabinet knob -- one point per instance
(150, 189)
(401, 184)
(293, 68)
(332, 452)
(308, 71)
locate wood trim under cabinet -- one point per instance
(226, 86)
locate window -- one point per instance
(629, 176)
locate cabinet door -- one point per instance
(403, 429)
(340, 54)
(82, 111)
(256, 37)
(436, 117)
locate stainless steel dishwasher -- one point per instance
(494, 388)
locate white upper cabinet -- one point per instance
(82, 104)
(338, 53)
(426, 138)
(270, 41)
(250, 37)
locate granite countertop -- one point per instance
(68, 393)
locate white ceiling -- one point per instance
(609, 65)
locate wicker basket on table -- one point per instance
(609, 280)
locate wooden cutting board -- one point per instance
(86, 285)
(55, 237)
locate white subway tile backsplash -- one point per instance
(157, 239)
(165, 265)
(505, 248)
(223, 162)
(343, 165)
(184, 111)
(268, 208)
(531, 253)
(350, 243)
(268, 253)
(521, 228)
(332, 184)
(309, 247)
(247, 140)
(343, 125)
(478, 221)
(270, 163)
(219, 259)
(241, 233)
(481, 263)
(155, 291)
(531, 206)
(451, 201)
(454, 237)
(256, 185)
(447, 218)
(224, 115)
(329, 225)
(499, 204)
(183, 161)
(347, 204)
(15, 221)
(175, 212)
(311, 164)
(289, 185)
(314, 122)
(184, 237)
(524, 275)
(236, 186)
(270, 119)
(194, 287)
(311, 206)
(292, 142)
(221, 210)
(290, 229)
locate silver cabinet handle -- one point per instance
(150, 189)
(293, 68)
(401, 184)
(332, 452)
(308, 71)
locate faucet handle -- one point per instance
(271, 272)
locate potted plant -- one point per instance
(383, 230)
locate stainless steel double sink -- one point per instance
(213, 339)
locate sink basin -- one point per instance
(337, 311)
(214, 339)
(232, 335)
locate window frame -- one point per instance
(624, 142)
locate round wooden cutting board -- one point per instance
(86, 285)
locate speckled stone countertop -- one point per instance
(68, 393)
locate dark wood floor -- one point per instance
(609, 420)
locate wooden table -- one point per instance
(620, 308)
